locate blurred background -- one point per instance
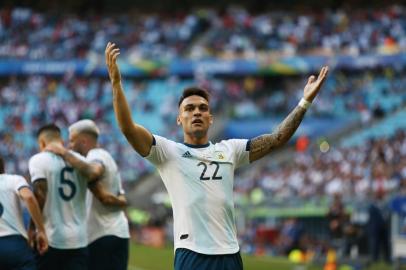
(333, 197)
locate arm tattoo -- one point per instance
(264, 144)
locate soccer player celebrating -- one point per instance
(198, 174)
(108, 231)
(61, 193)
(15, 253)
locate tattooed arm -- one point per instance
(264, 144)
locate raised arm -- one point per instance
(138, 136)
(264, 144)
(33, 208)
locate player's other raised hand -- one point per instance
(111, 53)
(313, 86)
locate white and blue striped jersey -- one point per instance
(200, 186)
(103, 220)
(64, 211)
(11, 214)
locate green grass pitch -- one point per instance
(147, 258)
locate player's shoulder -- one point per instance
(12, 181)
(41, 156)
(159, 140)
(12, 177)
(45, 160)
(231, 143)
(98, 152)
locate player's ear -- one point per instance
(178, 122)
(211, 119)
(42, 144)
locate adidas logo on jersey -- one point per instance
(187, 155)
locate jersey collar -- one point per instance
(197, 145)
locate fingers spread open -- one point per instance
(322, 74)
(109, 52)
(106, 53)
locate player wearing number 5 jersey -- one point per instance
(61, 193)
(199, 175)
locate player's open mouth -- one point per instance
(197, 121)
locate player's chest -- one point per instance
(205, 166)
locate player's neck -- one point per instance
(193, 140)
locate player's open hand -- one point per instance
(56, 148)
(42, 242)
(111, 53)
(313, 86)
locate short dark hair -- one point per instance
(194, 91)
(49, 128)
(1, 165)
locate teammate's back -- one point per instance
(64, 209)
(61, 193)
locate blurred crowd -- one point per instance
(378, 166)
(30, 101)
(234, 32)
(28, 34)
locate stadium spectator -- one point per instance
(378, 228)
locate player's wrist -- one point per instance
(116, 82)
(64, 152)
(304, 103)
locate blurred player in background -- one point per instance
(198, 174)
(108, 230)
(15, 253)
(61, 193)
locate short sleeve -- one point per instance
(159, 150)
(240, 149)
(94, 156)
(36, 168)
(19, 183)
